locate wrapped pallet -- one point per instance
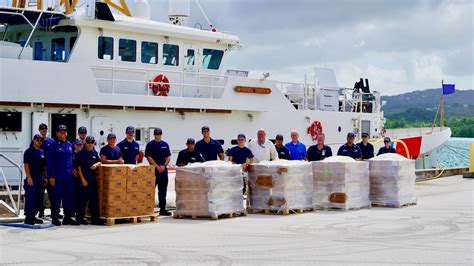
(209, 189)
(280, 186)
(341, 183)
(392, 180)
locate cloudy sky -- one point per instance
(400, 46)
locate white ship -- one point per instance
(102, 65)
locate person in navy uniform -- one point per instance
(319, 151)
(350, 149)
(59, 168)
(77, 182)
(241, 155)
(296, 148)
(87, 160)
(35, 166)
(43, 129)
(210, 149)
(158, 153)
(189, 155)
(111, 154)
(283, 152)
(366, 148)
(387, 148)
(82, 133)
(129, 147)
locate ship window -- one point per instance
(149, 52)
(128, 50)
(212, 58)
(106, 48)
(58, 49)
(170, 54)
(10, 121)
(190, 57)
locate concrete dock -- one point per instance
(439, 230)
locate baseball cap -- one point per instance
(82, 130)
(37, 136)
(111, 136)
(190, 141)
(157, 131)
(241, 136)
(61, 128)
(205, 128)
(130, 129)
(365, 134)
(351, 135)
(279, 137)
(43, 126)
(386, 139)
(90, 139)
(78, 142)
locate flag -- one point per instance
(448, 89)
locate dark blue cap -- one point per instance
(157, 131)
(130, 129)
(78, 142)
(90, 139)
(205, 128)
(365, 134)
(111, 136)
(37, 136)
(386, 139)
(279, 137)
(190, 141)
(43, 126)
(241, 136)
(61, 128)
(351, 135)
(82, 130)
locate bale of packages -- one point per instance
(392, 180)
(126, 190)
(280, 186)
(341, 183)
(209, 189)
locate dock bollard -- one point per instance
(471, 163)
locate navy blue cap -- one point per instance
(111, 136)
(190, 141)
(130, 129)
(205, 128)
(78, 142)
(386, 139)
(61, 128)
(157, 131)
(90, 139)
(365, 134)
(351, 135)
(37, 136)
(43, 126)
(241, 136)
(82, 130)
(279, 137)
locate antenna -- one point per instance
(205, 16)
(178, 11)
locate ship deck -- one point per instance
(439, 230)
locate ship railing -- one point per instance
(140, 81)
(300, 95)
(14, 204)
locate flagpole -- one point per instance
(441, 114)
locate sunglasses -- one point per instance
(90, 142)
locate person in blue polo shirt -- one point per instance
(158, 153)
(210, 149)
(77, 182)
(189, 155)
(43, 129)
(319, 151)
(35, 166)
(111, 154)
(387, 148)
(296, 148)
(283, 152)
(366, 148)
(350, 149)
(241, 155)
(129, 147)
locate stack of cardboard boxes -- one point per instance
(126, 190)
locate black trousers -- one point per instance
(162, 184)
(89, 195)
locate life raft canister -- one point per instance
(314, 129)
(160, 85)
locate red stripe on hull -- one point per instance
(413, 144)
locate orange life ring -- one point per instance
(314, 129)
(160, 85)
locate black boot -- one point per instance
(80, 220)
(56, 222)
(165, 213)
(97, 222)
(38, 221)
(29, 221)
(41, 214)
(69, 221)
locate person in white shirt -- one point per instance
(262, 148)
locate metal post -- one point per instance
(31, 34)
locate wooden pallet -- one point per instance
(130, 219)
(212, 216)
(342, 208)
(385, 205)
(285, 211)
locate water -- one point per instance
(454, 153)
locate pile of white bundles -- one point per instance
(341, 182)
(392, 180)
(280, 185)
(209, 189)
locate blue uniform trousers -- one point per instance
(34, 196)
(89, 195)
(162, 183)
(63, 192)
